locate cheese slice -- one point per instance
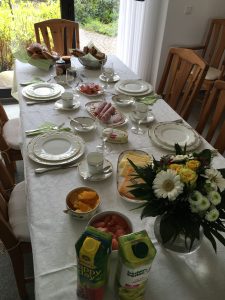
(138, 159)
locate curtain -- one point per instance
(136, 35)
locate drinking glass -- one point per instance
(141, 111)
(108, 72)
(102, 147)
(71, 75)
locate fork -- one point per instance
(34, 131)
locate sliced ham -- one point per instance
(99, 108)
(106, 107)
(107, 115)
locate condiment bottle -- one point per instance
(136, 253)
(60, 67)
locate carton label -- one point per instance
(131, 277)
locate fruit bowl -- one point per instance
(92, 64)
(82, 203)
(113, 222)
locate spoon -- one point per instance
(78, 122)
(106, 170)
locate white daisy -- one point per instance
(167, 184)
(204, 204)
(214, 197)
(216, 177)
(212, 215)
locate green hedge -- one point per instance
(17, 19)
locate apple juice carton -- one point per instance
(93, 249)
(136, 253)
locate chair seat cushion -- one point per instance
(12, 134)
(6, 79)
(212, 74)
(17, 211)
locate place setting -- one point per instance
(68, 101)
(42, 92)
(95, 167)
(133, 87)
(108, 74)
(56, 148)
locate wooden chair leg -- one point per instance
(18, 267)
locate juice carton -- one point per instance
(93, 249)
(136, 253)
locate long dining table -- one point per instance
(194, 276)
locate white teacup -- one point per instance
(95, 162)
(67, 99)
(108, 71)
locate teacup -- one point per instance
(95, 162)
(67, 99)
(108, 71)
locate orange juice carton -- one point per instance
(93, 249)
(136, 253)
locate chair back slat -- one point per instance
(182, 78)
(212, 117)
(58, 35)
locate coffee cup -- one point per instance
(95, 162)
(67, 99)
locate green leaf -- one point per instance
(210, 237)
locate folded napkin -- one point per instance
(45, 128)
(34, 80)
(148, 100)
(43, 64)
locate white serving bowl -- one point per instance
(98, 219)
(78, 214)
(92, 64)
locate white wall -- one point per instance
(177, 28)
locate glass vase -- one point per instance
(178, 245)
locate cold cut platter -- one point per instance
(106, 113)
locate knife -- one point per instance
(48, 169)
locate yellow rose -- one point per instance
(175, 167)
(188, 175)
(193, 164)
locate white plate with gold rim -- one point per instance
(45, 98)
(136, 94)
(55, 146)
(133, 86)
(42, 161)
(43, 90)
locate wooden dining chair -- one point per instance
(213, 51)
(10, 139)
(14, 232)
(58, 35)
(212, 117)
(181, 80)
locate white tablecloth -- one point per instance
(196, 276)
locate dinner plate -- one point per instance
(43, 90)
(133, 86)
(43, 99)
(84, 172)
(115, 78)
(98, 93)
(33, 157)
(123, 100)
(59, 105)
(90, 106)
(55, 146)
(122, 169)
(171, 133)
(171, 148)
(148, 91)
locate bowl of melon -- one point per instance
(114, 223)
(82, 203)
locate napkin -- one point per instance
(148, 100)
(43, 64)
(45, 128)
(34, 80)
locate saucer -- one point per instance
(85, 121)
(150, 118)
(114, 79)
(59, 105)
(123, 100)
(84, 172)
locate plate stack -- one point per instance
(56, 148)
(43, 91)
(167, 134)
(133, 87)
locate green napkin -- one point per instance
(148, 100)
(43, 64)
(45, 128)
(34, 80)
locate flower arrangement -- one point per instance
(186, 192)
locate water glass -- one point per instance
(71, 75)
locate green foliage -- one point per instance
(97, 26)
